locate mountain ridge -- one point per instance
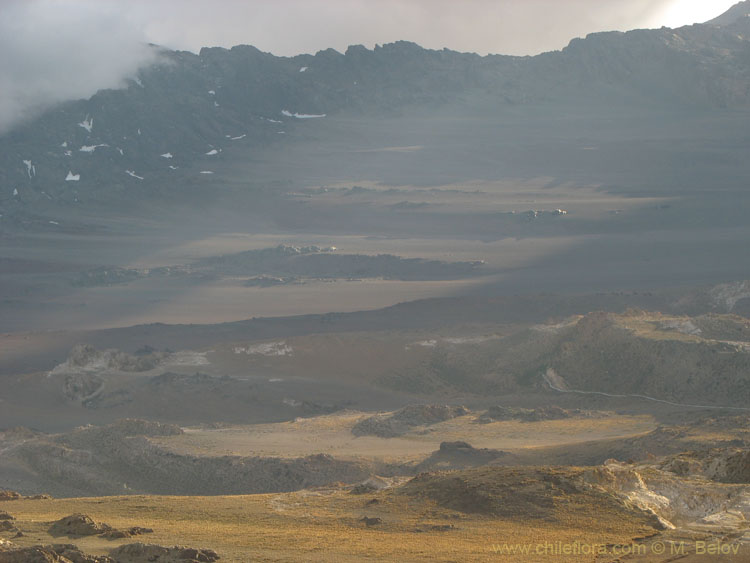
(177, 117)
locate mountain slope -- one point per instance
(732, 15)
(168, 129)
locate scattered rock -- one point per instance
(13, 495)
(78, 525)
(5, 516)
(371, 521)
(57, 553)
(144, 553)
(7, 526)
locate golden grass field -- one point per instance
(331, 434)
(323, 525)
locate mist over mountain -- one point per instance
(57, 52)
(180, 115)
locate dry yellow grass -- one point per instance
(324, 526)
(331, 434)
(650, 325)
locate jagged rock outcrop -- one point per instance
(78, 525)
(403, 420)
(56, 553)
(145, 553)
(729, 465)
(675, 500)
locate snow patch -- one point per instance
(167, 155)
(172, 167)
(280, 348)
(288, 113)
(72, 177)
(216, 104)
(87, 124)
(212, 152)
(470, 339)
(238, 137)
(30, 168)
(212, 92)
(206, 172)
(303, 69)
(64, 144)
(425, 344)
(15, 192)
(91, 148)
(54, 223)
(68, 153)
(133, 174)
(120, 151)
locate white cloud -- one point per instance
(685, 12)
(54, 50)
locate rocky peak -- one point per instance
(732, 15)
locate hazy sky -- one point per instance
(289, 27)
(55, 50)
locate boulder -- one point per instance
(143, 553)
(78, 525)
